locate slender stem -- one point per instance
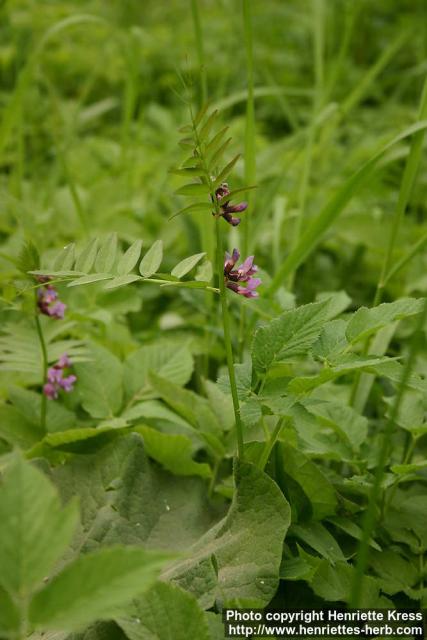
(227, 339)
(270, 443)
(198, 32)
(406, 187)
(43, 349)
(250, 153)
(371, 511)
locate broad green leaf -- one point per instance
(65, 260)
(348, 364)
(332, 340)
(239, 558)
(100, 383)
(9, 616)
(345, 421)
(173, 452)
(317, 536)
(125, 498)
(107, 254)
(186, 265)
(193, 189)
(36, 528)
(16, 429)
(152, 260)
(333, 583)
(412, 467)
(289, 335)
(130, 258)
(366, 321)
(28, 403)
(352, 529)
(79, 440)
(86, 258)
(95, 586)
(394, 571)
(311, 479)
(165, 612)
(121, 281)
(193, 408)
(89, 279)
(170, 360)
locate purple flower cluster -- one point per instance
(226, 208)
(56, 379)
(47, 300)
(242, 274)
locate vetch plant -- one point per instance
(56, 379)
(205, 164)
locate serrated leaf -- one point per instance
(289, 335)
(130, 258)
(107, 254)
(65, 260)
(366, 321)
(121, 281)
(193, 189)
(36, 529)
(95, 586)
(86, 259)
(152, 260)
(168, 359)
(184, 618)
(173, 452)
(183, 267)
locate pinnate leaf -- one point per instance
(152, 260)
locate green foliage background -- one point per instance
(132, 518)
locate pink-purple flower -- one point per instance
(239, 279)
(56, 379)
(48, 301)
(227, 209)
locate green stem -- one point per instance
(371, 511)
(250, 154)
(270, 443)
(406, 187)
(43, 349)
(198, 32)
(227, 339)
